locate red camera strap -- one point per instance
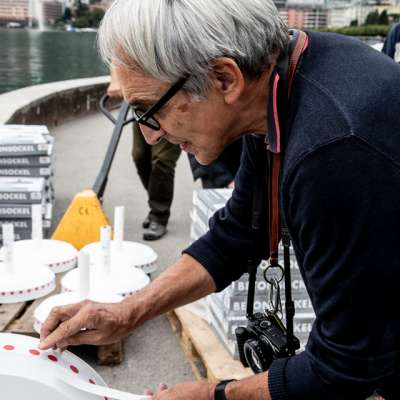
(276, 155)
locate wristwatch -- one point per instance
(219, 393)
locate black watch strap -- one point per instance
(219, 393)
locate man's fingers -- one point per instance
(56, 316)
(61, 335)
(162, 386)
(148, 392)
(82, 337)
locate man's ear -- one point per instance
(227, 78)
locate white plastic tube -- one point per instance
(37, 223)
(119, 218)
(8, 246)
(84, 275)
(105, 240)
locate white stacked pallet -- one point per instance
(26, 174)
(227, 310)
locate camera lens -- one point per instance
(258, 357)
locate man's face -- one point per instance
(202, 128)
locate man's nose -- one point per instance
(150, 135)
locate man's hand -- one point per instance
(85, 323)
(184, 391)
(94, 323)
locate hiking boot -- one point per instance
(146, 222)
(155, 231)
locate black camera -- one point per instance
(263, 340)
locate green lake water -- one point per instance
(29, 57)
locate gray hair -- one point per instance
(169, 39)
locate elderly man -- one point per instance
(201, 73)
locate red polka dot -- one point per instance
(74, 369)
(8, 347)
(53, 358)
(34, 352)
(92, 381)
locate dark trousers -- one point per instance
(156, 168)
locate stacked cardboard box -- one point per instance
(26, 176)
(227, 310)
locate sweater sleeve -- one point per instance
(343, 214)
(224, 251)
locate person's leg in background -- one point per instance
(161, 187)
(156, 168)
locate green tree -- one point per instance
(97, 15)
(81, 9)
(354, 22)
(383, 18)
(67, 14)
(372, 18)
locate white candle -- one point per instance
(37, 223)
(84, 275)
(105, 240)
(119, 216)
(8, 244)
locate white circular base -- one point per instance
(123, 282)
(43, 310)
(131, 253)
(29, 373)
(57, 255)
(25, 286)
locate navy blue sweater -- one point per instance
(340, 197)
(393, 38)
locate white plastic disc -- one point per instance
(29, 373)
(132, 253)
(24, 286)
(59, 256)
(123, 281)
(43, 310)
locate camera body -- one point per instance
(263, 340)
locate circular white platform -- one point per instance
(24, 286)
(123, 281)
(132, 253)
(29, 373)
(57, 255)
(43, 310)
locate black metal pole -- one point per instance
(101, 180)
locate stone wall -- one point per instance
(53, 103)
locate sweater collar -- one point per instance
(277, 101)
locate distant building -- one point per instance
(52, 11)
(305, 17)
(14, 11)
(341, 13)
(21, 11)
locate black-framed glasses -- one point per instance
(147, 117)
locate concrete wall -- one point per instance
(52, 103)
